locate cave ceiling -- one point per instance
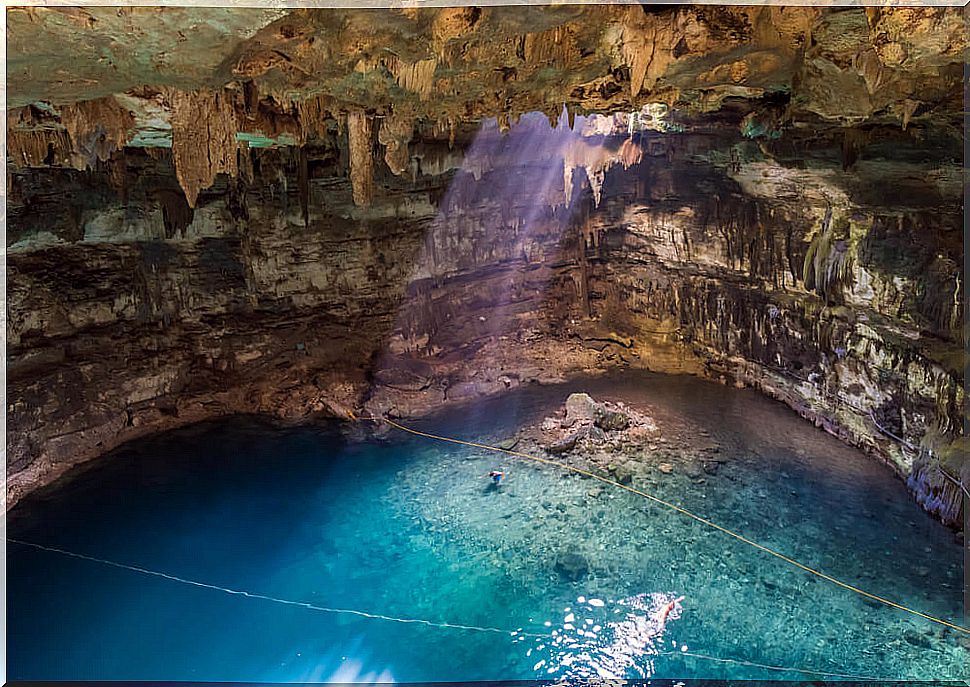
(84, 82)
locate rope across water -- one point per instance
(519, 632)
(393, 619)
(264, 597)
(678, 509)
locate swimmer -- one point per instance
(496, 476)
(666, 610)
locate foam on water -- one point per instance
(322, 560)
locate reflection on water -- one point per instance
(606, 639)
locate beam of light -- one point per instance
(347, 662)
(509, 215)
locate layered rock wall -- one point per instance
(715, 251)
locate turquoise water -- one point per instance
(406, 528)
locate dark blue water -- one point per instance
(407, 529)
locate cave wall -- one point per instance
(779, 263)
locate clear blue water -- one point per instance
(406, 528)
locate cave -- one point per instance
(446, 344)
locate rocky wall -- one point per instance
(745, 258)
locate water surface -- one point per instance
(407, 529)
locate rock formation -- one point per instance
(301, 212)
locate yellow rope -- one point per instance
(682, 511)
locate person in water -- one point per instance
(667, 609)
(496, 476)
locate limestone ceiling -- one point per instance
(83, 82)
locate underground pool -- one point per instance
(389, 557)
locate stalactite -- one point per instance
(244, 155)
(417, 77)
(361, 157)
(553, 47)
(36, 138)
(38, 148)
(177, 214)
(637, 57)
(908, 109)
(648, 47)
(313, 114)
(394, 134)
(118, 175)
(236, 199)
(936, 491)
(828, 263)
(96, 129)
(853, 141)
(596, 160)
(203, 139)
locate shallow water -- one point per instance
(407, 529)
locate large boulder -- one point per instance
(582, 408)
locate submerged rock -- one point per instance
(572, 566)
(621, 473)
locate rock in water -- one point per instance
(567, 444)
(572, 566)
(611, 420)
(581, 408)
(621, 473)
(584, 409)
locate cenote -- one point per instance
(518, 342)
(430, 573)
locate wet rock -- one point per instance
(580, 408)
(402, 378)
(612, 420)
(567, 444)
(621, 473)
(693, 470)
(509, 444)
(572, 566)
(711, 467)
(584, 409)
(549, 424)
